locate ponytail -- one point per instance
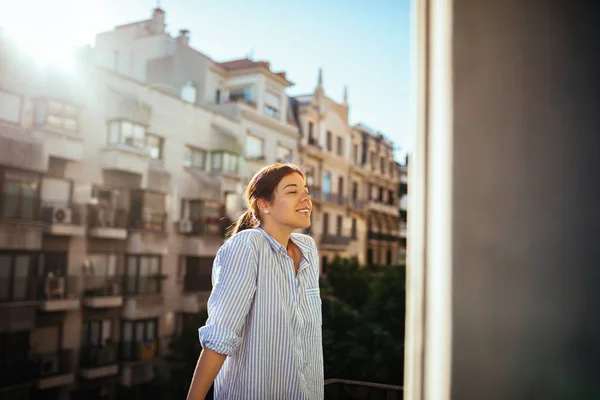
(245, 221)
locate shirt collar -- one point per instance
(276, 246)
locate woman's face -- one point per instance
(291, 205)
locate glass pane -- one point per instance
(106, 331)
(150, 330)
(84, 334)
(127, 133)
(95, 333)
(112, 265)
(326, 182)
(139, 134)
(127, 331)
(131, 274)
(5, 262)
(139, 331)
(187, 156)
(10, 207)
(113, 132)
(217, 161)
(254, 147)
(21, 274)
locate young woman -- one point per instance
(262, 339)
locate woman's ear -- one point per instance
(263, 206)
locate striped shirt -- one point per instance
(266, 319)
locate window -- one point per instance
(20, 192)
(325, 223)
(224, 161)
(339, 225)
(218, 96)
(100, 274)
(142, 275)
(272, 104)
(389, 257)
(240, 94)
(255, 148)
(16, 274)
(380, 198)
(382, 165)
(391, 197)
(147, 210)
(370, 191)
(355, 191)
(198, 272)
(127, 133)
(10, 107)
(355, 154)
(329, 141)
(326, 182)
(189, 92)
(139, 340)
(154, 146)
(353, 229)
(340, 146)
(284, 154)
(96, 332)
(57, 114)
(392, 169)
(372, 158)
(311, 138)
(194, 157)
(341, 189)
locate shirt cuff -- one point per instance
(219, 340)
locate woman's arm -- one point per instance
(209, 364)
(234, 285)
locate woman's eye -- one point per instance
(292, 192)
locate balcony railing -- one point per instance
(385, 237)
(17, 290)
(336, 240)
(139, 350)
(151, 221)
(102, 286)
(335, 198)
(58, 287)
(358, 203)
(142, 285)
(93, 356)
(347, 390)
(106, 217)
(52, 364)
(62, 213)
(315, 193)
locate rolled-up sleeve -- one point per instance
(234, 285)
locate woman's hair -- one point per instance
(262, 186)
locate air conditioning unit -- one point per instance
(61, 215)
(185, 226)
(48, 365)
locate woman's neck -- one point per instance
(280, 233)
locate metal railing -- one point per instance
(142, 285)
(101, 286)
(48, 365)
(336, 240)
(106, 217)
(152, 221)
(94, 356)
(348, 390)
(139, 350)
(62, 213)
(335, 198)
(58, 287)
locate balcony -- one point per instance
(334, 198)
(207, 227)
(384, 208)
(358, 203)
(19, 149)
(63, 219)
(98, 361)
(143, 297)
(339, 389)
(315, 194)
(102, 292)
(153, 221)
(54, 369)
(58, 293)
(121, 157)
(335, 242)
(384, 237)
(137, 358)
(107, 223)
(59, 142)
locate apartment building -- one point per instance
(335, 176)
(113, 200)
(244, 90)
(383, 201)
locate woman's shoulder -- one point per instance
(244, 238)
(305, 240)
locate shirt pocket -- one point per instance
(314, 317)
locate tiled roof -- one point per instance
(245, 63)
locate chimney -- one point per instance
(158, 20)
(184, 37)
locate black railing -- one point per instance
(17, 289)
(58, 287)
(339, 389)
(139, 350)
(106, 217)
(154, 221)
(385, 237)
(102, 286)
(142, 285)
(93, 356)
(52, 364)
(336, 240)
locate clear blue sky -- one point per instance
(365, 45)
